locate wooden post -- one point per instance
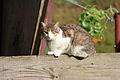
(117, 31)
(48, 17)
(49, 12)
(116, 3)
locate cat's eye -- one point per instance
(45, 32)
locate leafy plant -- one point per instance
(59, 1)
(94, 21)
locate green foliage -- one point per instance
(59, 1)
(94, 21)
(47, 50)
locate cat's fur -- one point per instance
(70, 39)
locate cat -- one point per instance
(70, 39)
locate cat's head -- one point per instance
(51, 31)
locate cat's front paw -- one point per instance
(50, 53)
(57, 54)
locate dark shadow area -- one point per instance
(79, 58)
(18, 24)
(37, 42)
(118, 47)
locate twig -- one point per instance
(76, 3)
(37, 25)
(116, 11)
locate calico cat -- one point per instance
(70, 39)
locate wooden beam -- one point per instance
(50, 9)
(117, 31)
(102, 66)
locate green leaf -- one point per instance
(92, 21)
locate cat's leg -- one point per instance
(57, 53)
(78, 52)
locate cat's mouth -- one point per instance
(48, 38)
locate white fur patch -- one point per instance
(58, 44)
(50, 53)
(51, 35)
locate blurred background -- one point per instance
(65, 12)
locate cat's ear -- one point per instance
(57, 24)
(43, 24)
(57, 28)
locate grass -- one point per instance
(66, 12)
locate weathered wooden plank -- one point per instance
(96, 67)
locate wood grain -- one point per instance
(102, 66)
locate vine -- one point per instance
(94, 20)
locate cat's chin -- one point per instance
(49, 39)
